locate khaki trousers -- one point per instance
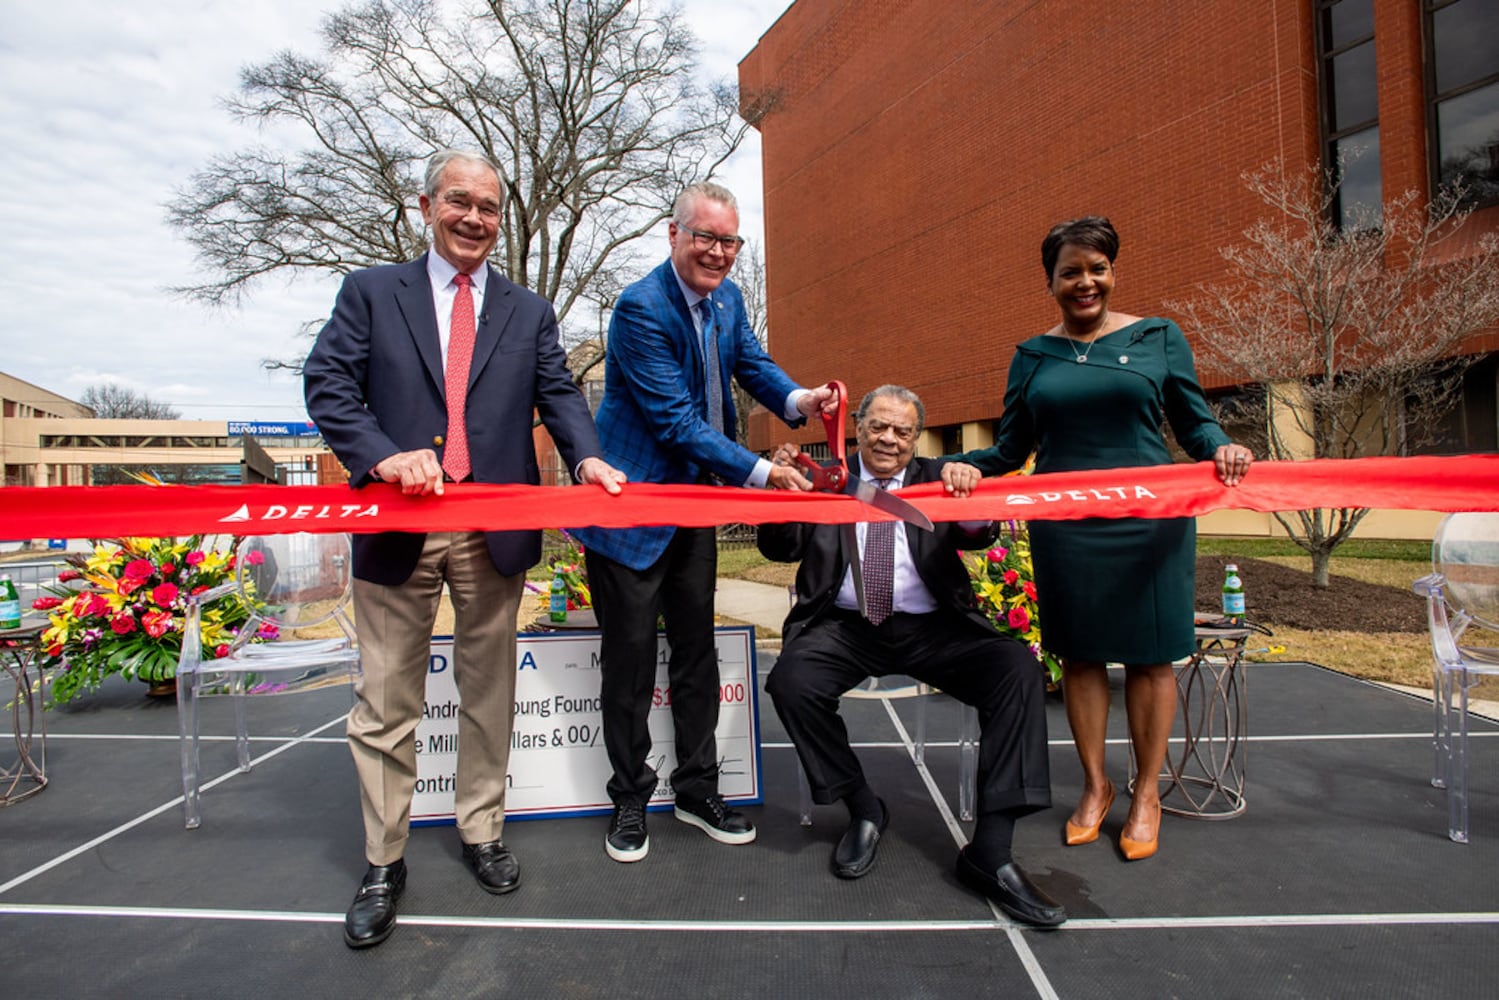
(395, 632)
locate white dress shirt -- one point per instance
(909, 592)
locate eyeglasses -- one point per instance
(704, 241)
(461, 204)
(876, 428)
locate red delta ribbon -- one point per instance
(1466, 483)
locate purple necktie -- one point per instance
(879, 566)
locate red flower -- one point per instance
(1020, 619)
(194, 558)
(54, 650)
(89, 604)
(1029, 588)
(998, 554)
(200, 588)
(45, 603)
(164, 594)
(139, 568)
(130, 585)
(69, 574)
(167, 569)
(157, 623)
(1012, 577)
(123, 623)
(221, 651)
(268, 631)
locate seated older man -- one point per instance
(921, 621)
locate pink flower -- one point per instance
(268, 631)
(1020, 619)
(88, 605)
(157, 623)
(221, 651)
(1029, 588)
(194, 558)
(123, 623)
(45, 603)
(164, 594)
(139, 568)
(255, 557)
(998, 554)
(1012, 577)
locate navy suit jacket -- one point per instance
(824, 560)
(374, 387)
(652, 421)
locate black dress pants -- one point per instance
(996, 675)
(679, 588)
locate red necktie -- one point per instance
(460, 352)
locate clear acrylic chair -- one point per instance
(968, 735)
(1462, 591)
(289, 582)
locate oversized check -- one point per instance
(558, 766)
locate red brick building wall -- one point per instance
(917, 152)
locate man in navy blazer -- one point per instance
(377, 385)
(666, 409)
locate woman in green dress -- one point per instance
(1093, 393)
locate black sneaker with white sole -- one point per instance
(712, 815)
(627, 840)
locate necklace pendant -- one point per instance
(1081, 358)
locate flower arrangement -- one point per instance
(1004, 584)
(122, 610)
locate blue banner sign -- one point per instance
(304, 428)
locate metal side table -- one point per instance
(27, 774)
(1203, 776)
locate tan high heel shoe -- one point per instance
(1079, 835)
(1139, 850)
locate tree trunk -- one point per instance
(1321, 563)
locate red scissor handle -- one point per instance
(831, 478)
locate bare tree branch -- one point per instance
(1351, 338)
(591, 109)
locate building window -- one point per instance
(1350, 109)
(1462, 86)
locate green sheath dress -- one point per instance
(1111, 590)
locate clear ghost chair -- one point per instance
(288, 582)
(1462, 591)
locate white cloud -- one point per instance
(105, 109)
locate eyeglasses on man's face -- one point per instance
(704, 241)
(461, 204)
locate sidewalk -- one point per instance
(759, 604)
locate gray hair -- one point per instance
(899, 392)
(681, 209)
(443, 157)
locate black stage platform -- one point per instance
(1339, 880)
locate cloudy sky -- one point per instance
(105, 109)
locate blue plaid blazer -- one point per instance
(651, 421)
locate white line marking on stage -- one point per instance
(773, 926)
(152, 814)
(1017, 940)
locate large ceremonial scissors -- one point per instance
(835, 478)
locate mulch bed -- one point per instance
(1278, 595)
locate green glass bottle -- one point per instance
(10, 603)
(1233, 595)
(557, 607)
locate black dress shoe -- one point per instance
(494, 866)
(854, 855)
(372, 915)
(1013, 891)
